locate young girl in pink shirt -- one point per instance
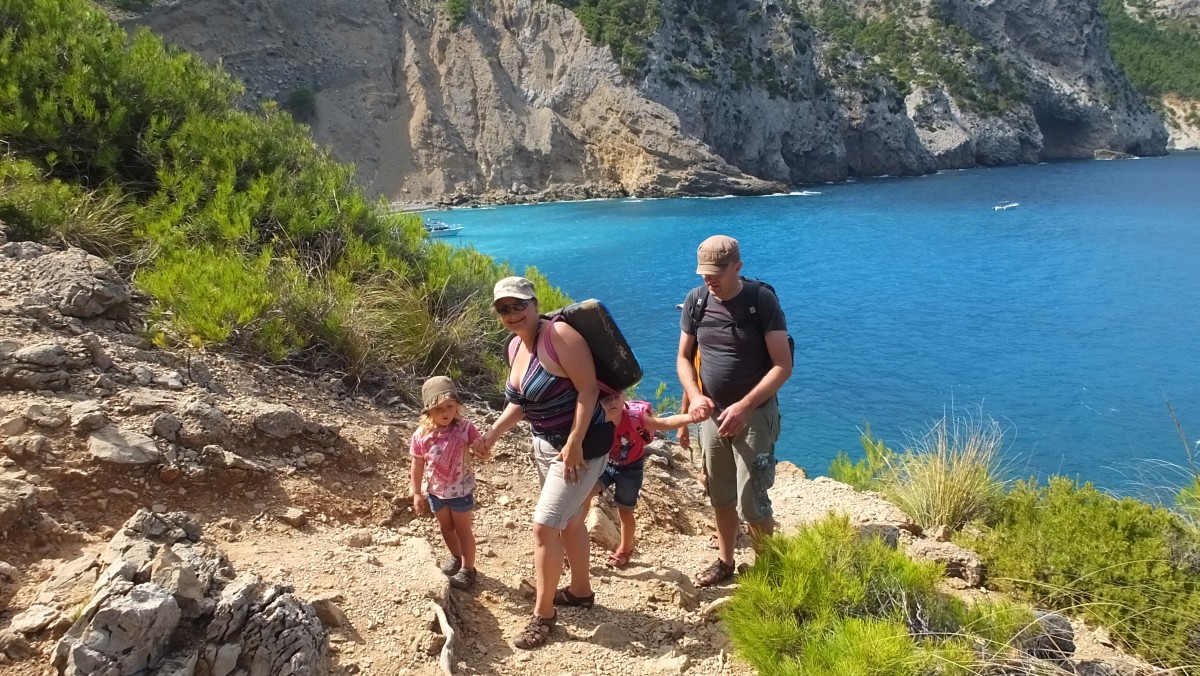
(442, 479)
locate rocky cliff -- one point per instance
(517, 100)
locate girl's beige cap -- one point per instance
(436, 390)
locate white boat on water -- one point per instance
(436, 228)
(1005, 205)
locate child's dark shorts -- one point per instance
(628, 482)
(464, 504)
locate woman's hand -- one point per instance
(481, 449)
(420, 504)
(571, 457)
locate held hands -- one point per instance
(701, 409)
(481, 449)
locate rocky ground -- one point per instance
(184, 512)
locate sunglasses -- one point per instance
(518, 306)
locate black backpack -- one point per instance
(617, 368)
(752, 286)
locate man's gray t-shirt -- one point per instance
(733, 349)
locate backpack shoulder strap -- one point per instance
(698, 306)
(641, 409)
(512, 349)
(550, 351)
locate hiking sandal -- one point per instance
(564, 597)
(452, 566)
(715, 574)
(536, 633)
(463, 579)
(618, 559)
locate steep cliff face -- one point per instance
(517, 101)
(1080, 99)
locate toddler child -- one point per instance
(442, 479)
(635, 427)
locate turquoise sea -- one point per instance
(1072, 318)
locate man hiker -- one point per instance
(744, 357)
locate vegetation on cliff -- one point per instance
(624, 26)
(828, 601)
(1160, 56)
(1128, 565)
(742, 43)
(239, 228)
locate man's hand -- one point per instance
(734, 419)
(700, 409)
(572, 459)
(685, 438)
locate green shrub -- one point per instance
(1119, 562)
(864, 474)
(624, 26)
(456, 12)
(1160, 56)
(253, 234)
(828, 601)
(191, 290)
(301, 104)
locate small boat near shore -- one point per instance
(436, 228)
(1005, 205)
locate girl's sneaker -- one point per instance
(463, 579)
(452, 566)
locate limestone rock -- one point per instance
(14, 646)
(602, 529)
(34, 619)
(1050, 638)
(47, 416)
(961, 563)
(122, 447)
(294, 517)
(70, 584)
(276, 632)
(166, 426)
(277, 421)
(17, 499)
(610, 635)
(203, 424)
(84, 284)
(35, 367)
(87, 416)
(126, 634)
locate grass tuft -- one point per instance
(948, 476)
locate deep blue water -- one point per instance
(1070, 318)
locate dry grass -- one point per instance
(950, 475)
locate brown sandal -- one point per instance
(564, 597)
(618, 559)
(717, 573)
(536, 633)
